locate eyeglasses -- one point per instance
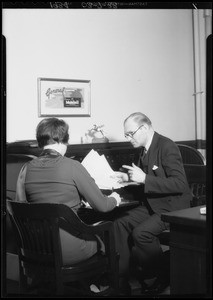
(131, 134)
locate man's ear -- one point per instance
(145, 126)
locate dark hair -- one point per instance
(139, 118)
(51, 131)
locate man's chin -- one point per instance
(134, 145)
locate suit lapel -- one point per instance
(151, 156)
(149, 160)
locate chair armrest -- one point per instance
(104, 229)
(74, 223)
(99, 227)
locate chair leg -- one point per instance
(115, 275)
(23, 280)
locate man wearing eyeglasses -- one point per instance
(161, 176)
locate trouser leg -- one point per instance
(123, 227)
(147, 248)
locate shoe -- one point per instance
(95, 289)
(101, 290)
(156, 288)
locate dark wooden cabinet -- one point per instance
(188, 251)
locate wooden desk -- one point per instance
(188, 251)
(130, 195)
(131, 198)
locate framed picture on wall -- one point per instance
(63, 97)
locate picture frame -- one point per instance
(64, 97)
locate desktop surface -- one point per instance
(188, 217)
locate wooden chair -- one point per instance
(191, 155)
(196, 177)
(39, 249)
(14, 163)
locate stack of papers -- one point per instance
(100, 171)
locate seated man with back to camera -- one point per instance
(161, 177)
(54, 178)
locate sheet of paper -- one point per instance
(100, 170)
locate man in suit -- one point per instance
(162, 182)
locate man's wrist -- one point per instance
(143, 180)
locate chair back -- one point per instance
(14, 164)
(195, 168)
(191, 155)
(36, 227)
(196, 177)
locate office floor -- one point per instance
(136, 288)
(12, 289)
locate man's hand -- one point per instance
(117, 197)
(122, 177)
(135, 173)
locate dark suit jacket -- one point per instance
(166, 187)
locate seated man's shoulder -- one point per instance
(166, 142)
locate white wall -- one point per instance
(137, 60)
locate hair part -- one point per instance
(51, 131)
(139, 119)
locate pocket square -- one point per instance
(154, 167)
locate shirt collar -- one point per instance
(149, 142)
(50, 152)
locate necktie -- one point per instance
(144, 161)
(144, 154)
